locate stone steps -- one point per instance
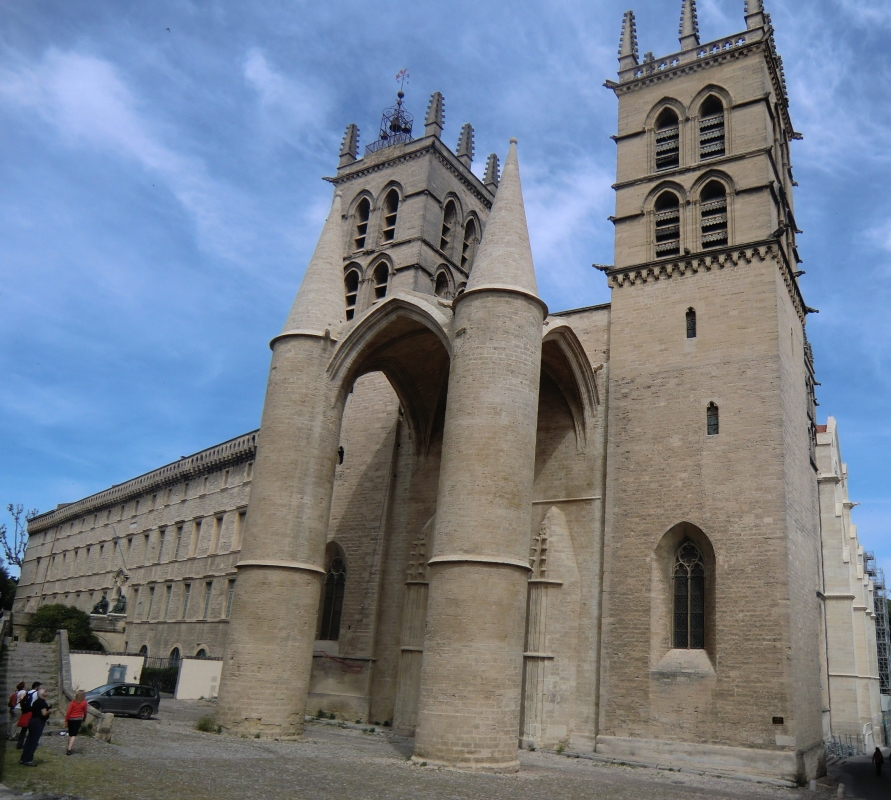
(29, 662)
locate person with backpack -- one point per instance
(14, 711)
(40, 711)
(25, 718)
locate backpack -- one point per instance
(13, 699)
(25, 705)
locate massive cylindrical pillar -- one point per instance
(269, 647)
(471, 678)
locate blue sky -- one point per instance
(161, 192)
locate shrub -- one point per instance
(49, 619)
(207, 725)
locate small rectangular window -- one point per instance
(215, 536)
(176, 541)
(225, 478)
(196, 535)
(208, 589)
(229, 595)
(239, 530)
(161, 546)
(248, 470)
(148, 613)
(167, 595)
(187, 591)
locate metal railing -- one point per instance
(844, 745)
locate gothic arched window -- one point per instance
(668, 225)
(363, 212)
(449, 219)
(468, 248)
(335, 583)
(711, 128)
(711, 419)
(351, 291)
(442, 285)
(668, 140)
(381, 279)
(713, 215)
(691, 323)
(175, 656)
(391, 209)
(689, 598)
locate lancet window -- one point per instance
(711, 420)
(691, 323)
(351, 291)
(689, 598)
(363, 213)
(468, 248)
(668, 225)
(391, 209)
(449, 219)
(381, 279)
(713, 215)
(711, 128)
(442, 285)
(335, 584)
(668, 140)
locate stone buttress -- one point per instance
(470, 696)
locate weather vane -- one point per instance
(402, 77)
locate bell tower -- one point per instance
(710, 457)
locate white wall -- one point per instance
(198, 677)
(89, 670)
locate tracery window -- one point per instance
(691, 323)
(713, 215)
(351, 289)
(391, 209)
(468, 248)
(363, 212)
(449, 219)
(689, 598)
(711, 420)
(335, 583)
(381, 279)
(668, 225)
(711, 128)
(668, 140)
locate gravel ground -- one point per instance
(166, 759)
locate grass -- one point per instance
(208, 725)
(54, 774)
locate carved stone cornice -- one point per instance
(235, 451)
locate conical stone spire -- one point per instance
(505, 257)
(465, 145)
(319, 305)
(435, 120)
(628, 52)
(689, 27)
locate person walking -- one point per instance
(25, 707)
(878, 759)
(14, 711)
(40, 710)
(74, 717)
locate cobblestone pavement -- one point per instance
(166, 759)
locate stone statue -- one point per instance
(101, 607)
(120, 607)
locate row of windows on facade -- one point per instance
(712, 134)
(59, 563)
(713, 220)
(689, 599)
(175, 655)
(168, 496)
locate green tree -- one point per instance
(49, 619)
(8, 585)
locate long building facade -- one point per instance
(491, 524)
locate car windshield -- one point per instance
(100, 689)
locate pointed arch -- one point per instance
(380, 277)
(451, 222)
(390, 201)
(667, 223)
(710, 108)
(352, 278)
(442, 284)
(333, 590)
(470, 242)
(713, 215)
(360, 213)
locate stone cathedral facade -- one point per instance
(493, 524)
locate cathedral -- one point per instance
(495, 525)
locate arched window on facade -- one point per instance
(711, 420)
(363, 213)
(713, 215)
(442, 285)
(711, 128)
(689, 598)
(668, 140)
(391, 209)
(351, 291)
(175, 656)
(381, 279)
(691, 323)
(449, 220)
(668, 225)
(202, 653)
(468, 248)
(332, 607)
(143, 651)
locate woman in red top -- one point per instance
(74, 717)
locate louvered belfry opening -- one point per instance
(363, 212)
(668, 225)
(469, 245)
(713, 215)
(449, 218)
(391, 209)
(381, 279)
(351, 291)
(711, 128)
(668, 140)
(689, 598)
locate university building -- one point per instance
(616, 528)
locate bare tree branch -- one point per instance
(14, 550)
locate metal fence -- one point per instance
(161, 673)
(844, 746)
